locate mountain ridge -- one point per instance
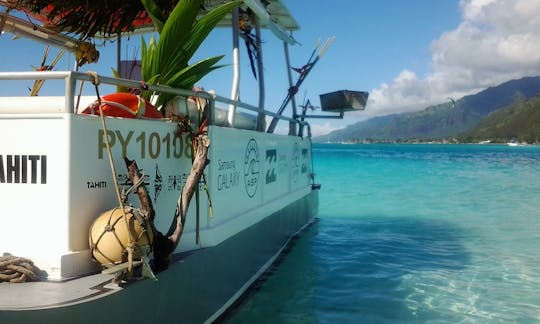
(440, 121)
(519, 122)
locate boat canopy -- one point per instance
(107, 18)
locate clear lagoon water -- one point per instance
(413, 234)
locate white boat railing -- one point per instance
(70, 90)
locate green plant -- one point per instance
(166, 61)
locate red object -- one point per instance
(123, 104)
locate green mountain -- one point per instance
(518, 122)
(439, 121)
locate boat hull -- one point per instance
(199, 286)
(256, 193)
(65, 173)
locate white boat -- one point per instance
(55, 180)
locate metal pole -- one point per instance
(119, 55)
(236, 66)
(292, 125)
(70, 82)
(261, 118)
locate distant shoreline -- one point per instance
(428, 143)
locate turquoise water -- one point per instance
(415, 234)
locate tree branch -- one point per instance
(164, 245)
(201, 144)
(135, 176)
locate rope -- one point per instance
(15, 269)
(134, 186)
(115, 104)
(130, 245)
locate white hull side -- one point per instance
(57, 180)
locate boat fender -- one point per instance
(124, 104)
(109, 237)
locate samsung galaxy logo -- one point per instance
(252, 168)
(23, 169)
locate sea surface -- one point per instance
(413, 234)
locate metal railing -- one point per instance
(70, 92)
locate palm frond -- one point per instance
(206, 24)
(155, 14)
(188, 76)
(167, 61)
(175, 32)
(90, 18)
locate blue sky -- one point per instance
(408, 54)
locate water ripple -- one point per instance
(414, 234)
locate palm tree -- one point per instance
(166, 61)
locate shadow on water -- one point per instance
(373, 256)
(350, 270)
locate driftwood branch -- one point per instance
(135, 176)
(201, 144)
(163, 246)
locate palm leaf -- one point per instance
(187, 77)
(194, 77)
(175, 32)
(148, 63)
(205, 25)
(167, 61)
(197, 68)
(155, 13)
(118, 87)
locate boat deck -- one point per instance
(49, 294)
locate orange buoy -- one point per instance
(109, 236)
(124, 104)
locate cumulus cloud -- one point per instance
(324, 128)
(496, 40)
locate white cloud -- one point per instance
(318, 129)
(497, 40)
(406, 92)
